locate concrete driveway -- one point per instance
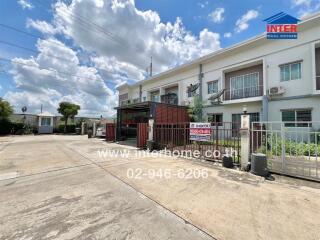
(60, 187)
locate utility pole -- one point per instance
(151, 67)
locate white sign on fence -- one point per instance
(200, 131)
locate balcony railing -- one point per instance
(247, 92)
(170, 98)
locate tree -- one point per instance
(68, 110)
(5, 109)
(195, 110)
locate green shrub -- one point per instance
(71, 128)
(7, 127)
(274, 147)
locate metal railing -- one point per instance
(291, 148)
(224, 138)
(247, 92)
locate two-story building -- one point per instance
(277, 80)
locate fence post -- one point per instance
(150, 128)
(245, 141)
(94, 129)
(283, 147)
(82, 128)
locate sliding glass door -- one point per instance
(245, 86)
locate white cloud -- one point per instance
(217, 15)
(243, 22)
(37, 85)
(139, 34)
(306, 7)
(41, 26)
(227, 35)
(118, 71)
(301, 2)
(25, 4)
(203, 4)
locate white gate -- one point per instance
(291, 148)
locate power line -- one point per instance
(34, 36)
(32, 50)
(85, 22)
(49, 55)
(50, 70)
(37, 37)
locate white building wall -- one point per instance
(298, 87)
(275, 107)
(228, 110)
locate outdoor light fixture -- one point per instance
(244, 109)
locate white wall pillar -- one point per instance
(313, 66)
(82, 128)
(150, 129)
(265, 76)
(94, 128)
(245, 141)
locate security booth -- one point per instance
(132, 119)
(45, 123)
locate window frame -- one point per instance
(46, 120)
(156, 94)
(214, 116)
(281, 66)
(294, 123)
(213, 82)
(238, 93)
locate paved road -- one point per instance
(55, 193)
(61, 188)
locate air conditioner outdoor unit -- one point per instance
(276, 91)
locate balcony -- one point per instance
(170, 98)
(247, 92)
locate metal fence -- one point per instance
(292, 148)
(225, 139)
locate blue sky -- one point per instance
(98, 62)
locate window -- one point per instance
(45, 121)
(244, 86)
(291, 71)
(212, 87)
(155, 96)
(215, 118)
(295, 118)
(136, 100)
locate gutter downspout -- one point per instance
(265, 108)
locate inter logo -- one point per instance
(282, 26)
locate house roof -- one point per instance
(45, 114)
(217, 53)
(281, 18)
